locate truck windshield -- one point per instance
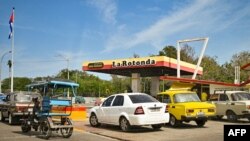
(186, 97)
(23, 98)
(241, 96)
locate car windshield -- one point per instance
(186, 97)
(241, 96)
(142, 98)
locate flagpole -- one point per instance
(12, 54)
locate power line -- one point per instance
(38, 61)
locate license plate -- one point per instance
(155, 110)
(30, 110)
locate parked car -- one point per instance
(232, 104)
(79, 99)
(185, 105)
(17, 105)
(99, 101)
(130, 109)
(2, 96)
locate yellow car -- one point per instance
(185, 105)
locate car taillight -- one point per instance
(139, 111)
(190, 110)
(167, 107)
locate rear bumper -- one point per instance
(185, 118)
(148, 120)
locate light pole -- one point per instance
(1, 69)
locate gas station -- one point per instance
(153, 67)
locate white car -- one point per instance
(130, 109)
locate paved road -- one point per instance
(212, 131)
(13, 133)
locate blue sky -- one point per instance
(86, 30)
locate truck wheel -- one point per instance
(1, 116)
(231, 116)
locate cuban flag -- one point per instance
(11, 22)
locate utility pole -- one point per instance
(1, 69)
(10, 66)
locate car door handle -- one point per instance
(173, 106)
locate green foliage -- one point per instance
(186, 53)
(19, 84)
(211, 69)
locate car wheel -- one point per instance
(2, 118)
(124, 124)
(231, 116)
(156, 126)
(200, 123)
(93, 120)
(173, 121)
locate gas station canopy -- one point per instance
(146, 66)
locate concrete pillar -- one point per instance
(155, 83)
(136, 87)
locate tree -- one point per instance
(239, 59)
(19, 84)
(211, 69)
(169, 51)
(187, 53)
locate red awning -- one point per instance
(203, 81)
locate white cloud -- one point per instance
(107, 8)
(197, 18)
